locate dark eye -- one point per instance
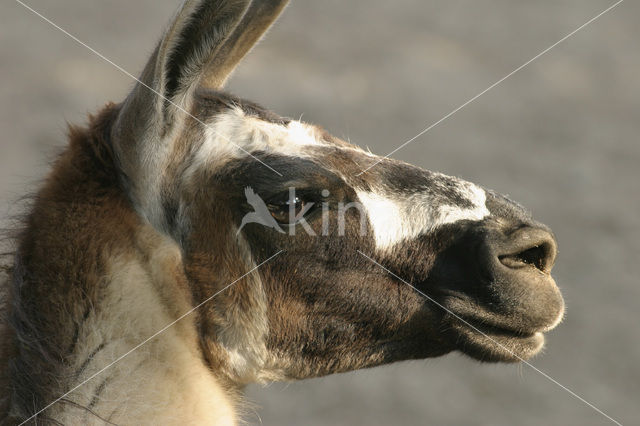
(288, 211)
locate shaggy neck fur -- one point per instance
(92, 281)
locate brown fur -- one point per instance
(7, 341)
(78, 219)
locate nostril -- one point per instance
(537, 256)
(531, 247)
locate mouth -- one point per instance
(491, 343)
(500, 312)
(496, 332)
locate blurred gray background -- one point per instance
(560, 136)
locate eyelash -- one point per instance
(280, 207)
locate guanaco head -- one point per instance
(377, 260)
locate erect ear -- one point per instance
(205, 42)
(208, 39)
(201, 47)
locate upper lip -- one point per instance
(472, 314)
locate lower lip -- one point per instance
(499, 332)
(515, 346)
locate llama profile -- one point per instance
(140, 295)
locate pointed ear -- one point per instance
(208, 39)
(202, 46)
(204, 43)
(259, 16)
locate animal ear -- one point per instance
(259, 16)
(201, 47)
(204, 43)
(207, 40)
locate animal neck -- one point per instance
(149, 375)
(93, 285)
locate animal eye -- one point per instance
(288, 211)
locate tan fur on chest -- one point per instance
(163, 382)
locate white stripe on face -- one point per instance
(229, 135)
(395, 219)
(233, 134)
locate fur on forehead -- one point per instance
(234, 134)
(230, 128)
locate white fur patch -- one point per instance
(244, 336)
(230, 135)
(233, 135)
(395, 219)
